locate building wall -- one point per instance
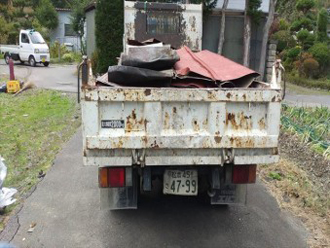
(58, 34)
(240, 5)
(234, 40)
(90, 32)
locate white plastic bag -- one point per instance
(6, 194)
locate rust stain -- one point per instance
(167, 121)
(154, 145)
(228, 95)
(241, 121)
(217, 139)
(147, 92)
(195, 126)
(262, 123)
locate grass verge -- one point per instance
(309, 83)
(34, 125)
(296, 192)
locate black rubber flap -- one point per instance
(140, 77)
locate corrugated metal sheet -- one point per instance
(210, 65)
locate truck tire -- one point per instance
(32, 61)
(46, 64)
(7, 57)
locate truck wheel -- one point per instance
(46, 64)
(7, 57)
(32, 61)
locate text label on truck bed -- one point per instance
(113, 124)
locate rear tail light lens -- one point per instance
(111, 177)
(243, 174)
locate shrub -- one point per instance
(68, 57)
(283, 24)
(54, 49)
(309, 83)
(322, 21)
(109, 29)
(310, 67)
(293, 53)
(321, 53)
(305, 5)
(304, 22)
(284, 39)
(302, 35)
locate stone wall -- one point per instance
(270, 59)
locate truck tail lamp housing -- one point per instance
(112, 177)
(243, 174)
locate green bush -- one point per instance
(305, 5)
(283, 24)
(309, 83)
(322, 21)
(304, 22)
(321, 53)
(55, 47)
(284, 39)
(109, 29)
(68, 57)
(293, 53)
(310, 67)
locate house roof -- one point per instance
(90, 7)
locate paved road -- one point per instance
(56, 77)
(65, 207)
(308, 100)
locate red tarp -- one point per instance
(210, 65)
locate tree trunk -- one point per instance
(247, 36)
(269, 22)
(223, 26)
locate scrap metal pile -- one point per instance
(154, 64)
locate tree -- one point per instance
(78, 20)
(223, 26)
(109, 29)
(252, 14)
(305, 5)
(322, 21)
(46, 14)
(269, 22)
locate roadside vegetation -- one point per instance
(311, 125)
(303, 43)
(60, 54)
(34, 125)
(300, 181)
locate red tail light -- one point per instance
(111, 177)
(243, 174)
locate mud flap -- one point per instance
(120, 198)
(229, 193)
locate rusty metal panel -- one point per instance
(165, 126)
(175, 24)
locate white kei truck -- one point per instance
(31, 48)
(195, 141)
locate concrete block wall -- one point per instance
(270, 59)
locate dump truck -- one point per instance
(193, 140)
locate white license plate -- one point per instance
(180, 182)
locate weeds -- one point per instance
(312, 125)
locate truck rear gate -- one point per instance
(187, 129)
